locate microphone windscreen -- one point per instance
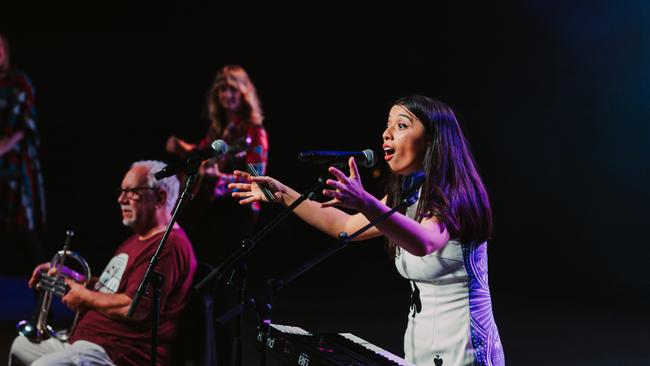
(370, 158)
(219, 146)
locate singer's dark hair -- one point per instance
(453, 191)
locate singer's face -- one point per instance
(139, 209)
(229, 97)
(405, 141)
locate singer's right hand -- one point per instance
(43, 267)
(251, 192)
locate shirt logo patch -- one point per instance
(110, 279)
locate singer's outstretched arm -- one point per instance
(419, 239)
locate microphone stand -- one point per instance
(155, 278)
(237, 280)
(247, 245)
(263, 300)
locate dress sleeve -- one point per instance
(258, 149)
(25, 111)
(256, 154)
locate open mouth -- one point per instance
(389, 152)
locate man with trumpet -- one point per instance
(104, 335)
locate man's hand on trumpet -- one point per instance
(77, 296)
(36, 274)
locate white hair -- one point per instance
(169, 184)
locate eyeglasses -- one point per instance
(134, 193)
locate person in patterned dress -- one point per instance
(22, 198)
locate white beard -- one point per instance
(128, 222)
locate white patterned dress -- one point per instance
(451, 322)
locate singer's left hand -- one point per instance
(348, 192)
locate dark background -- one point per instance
(553, 98)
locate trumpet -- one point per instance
(37, 329)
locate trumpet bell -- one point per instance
(28, 329)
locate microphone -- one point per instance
(364, 158)
(192, 161)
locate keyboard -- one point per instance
(295, 346)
